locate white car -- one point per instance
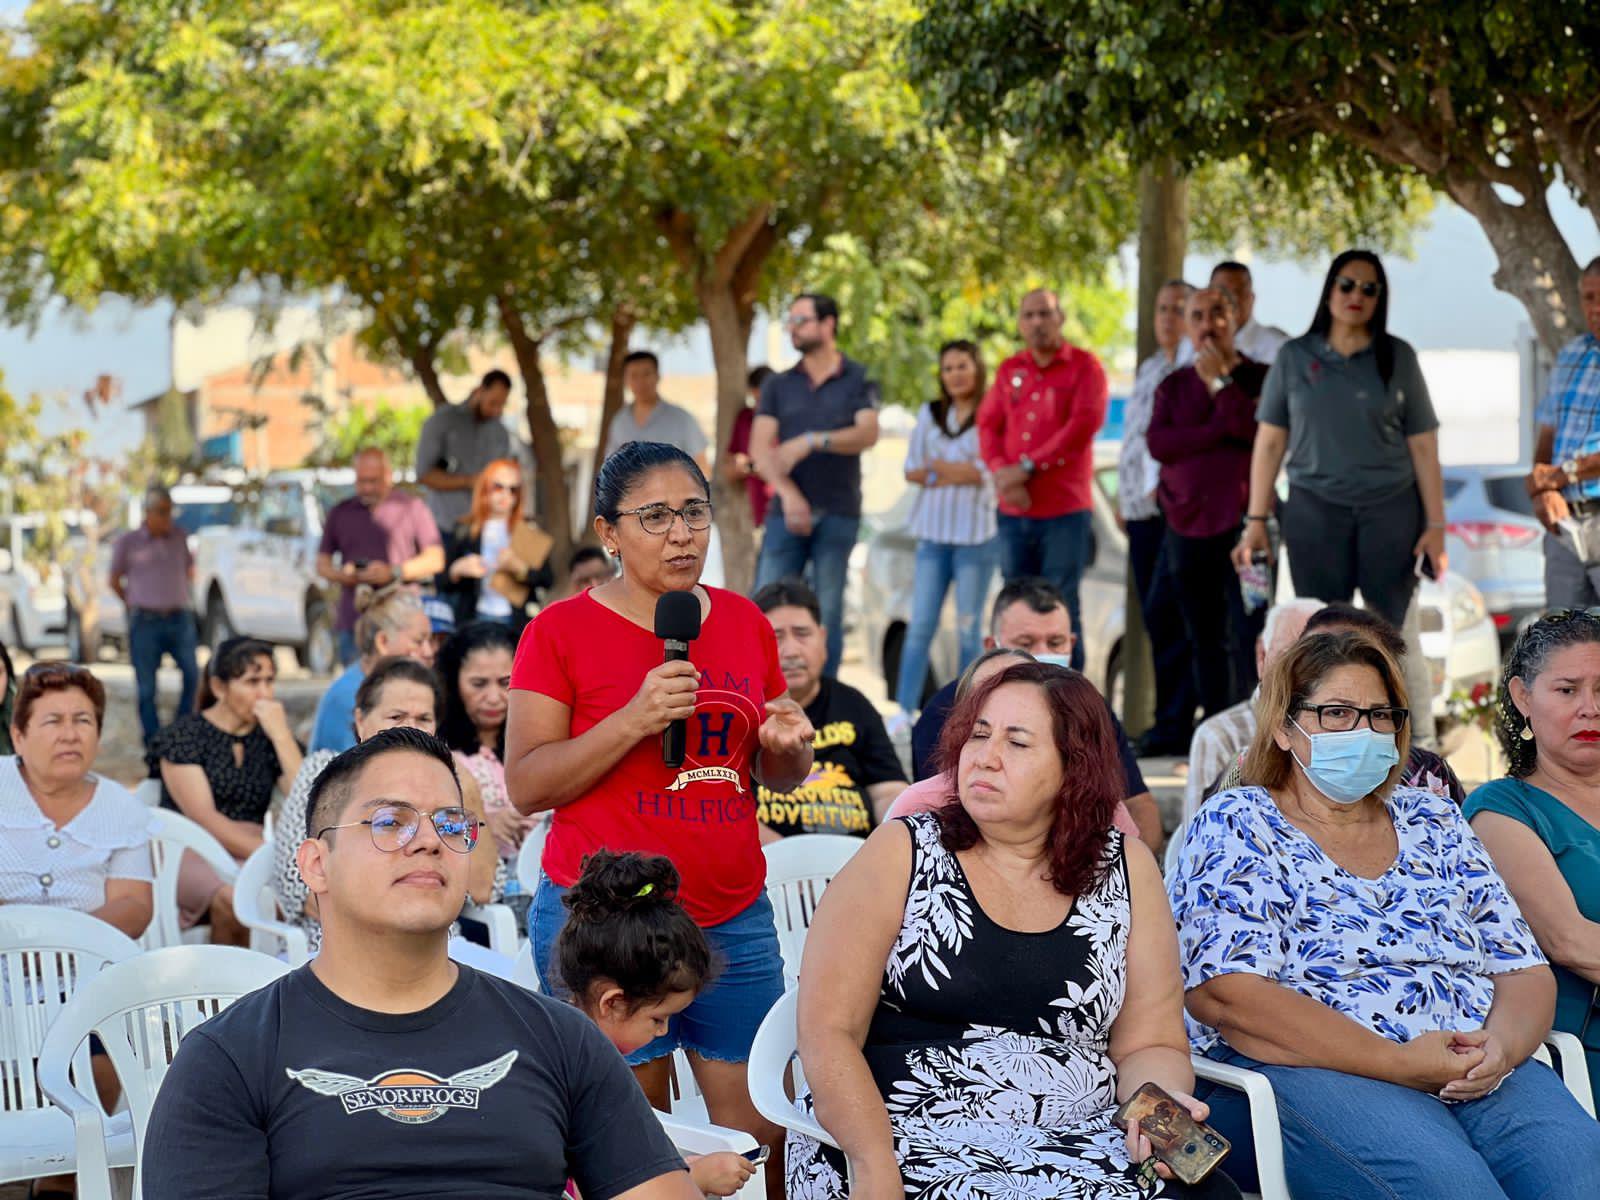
(259, 578)
(1459, 644)
(33, 593)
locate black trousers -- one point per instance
(1158, 603)
(1221, 637)
(1335, 549)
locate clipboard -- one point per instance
(532, 545)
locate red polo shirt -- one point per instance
(1051, 414)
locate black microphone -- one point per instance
(677, 624)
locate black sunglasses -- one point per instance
(1369, 290)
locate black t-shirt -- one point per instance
(293, 1094)
(853, 752)
(925, 735)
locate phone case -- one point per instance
(1191, 1149)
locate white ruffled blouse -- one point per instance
(68, 867)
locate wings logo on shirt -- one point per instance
(719, 730)
(408, 1095)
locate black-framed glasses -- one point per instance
(393, 826)
(1369, 289)
(657, 519)
(1342, 718)
(497, 486)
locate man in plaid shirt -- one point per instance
(1565, 480)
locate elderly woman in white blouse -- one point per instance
(68, 837)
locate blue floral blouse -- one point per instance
(1407, 953)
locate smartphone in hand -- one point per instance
(1190, 1149)
(1424, 568)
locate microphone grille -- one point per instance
(678, 616)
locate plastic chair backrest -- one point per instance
(694, 1137)
(529, 855)
(171, 834)
(46, 954)
(141, 1009)
(770, 1056)
(799, 868)
(523, 971)
(255, 903)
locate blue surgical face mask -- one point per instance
(1346, 767)
(1054, 660)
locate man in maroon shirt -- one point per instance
(1201, 431)
(1036, 432)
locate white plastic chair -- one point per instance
(255, 903)
(504, 936)
(528, 856)
(770, 1056)
(692, 1137)
(171, 834)
(798, 869)
(141, 1009)
(1169, 856)
(1569, 1062)
(46, 954)
(686, 1102)
(523, 972)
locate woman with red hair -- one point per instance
(480, 546)
(984, 983)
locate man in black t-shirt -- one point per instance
(313, 1086)
(855, 774)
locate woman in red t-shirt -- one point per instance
(590, 697)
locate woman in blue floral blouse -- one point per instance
(1352, 941)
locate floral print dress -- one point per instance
(1412, 951)
(990, 1046)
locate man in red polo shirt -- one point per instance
(1036, 431)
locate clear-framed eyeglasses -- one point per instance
(657, 519)
(393, 826)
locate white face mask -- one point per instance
(1055, 660)
(1347, 767)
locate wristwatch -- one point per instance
(1569, 468)
(1027, 465)
(1217, 384)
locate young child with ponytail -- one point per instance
(631, 958)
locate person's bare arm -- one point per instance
(1148, 1042)
(856, 438)
(1526, 864)
(191, 792)
(547, 767)
(128, 907)
(769, 465)
(342, 574)
(1266, 458)
(952, 474)
(1147, 816)
(423, 565)
(883, 795)
(441, 480)
(851, 934)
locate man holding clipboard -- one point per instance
(495, 561)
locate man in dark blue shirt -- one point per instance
(313, 1087)
(812, 423)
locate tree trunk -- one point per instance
(622, 323)
(423, 362)
(1537, 265)
(730, 351)
(554, 509)
(1163, 241)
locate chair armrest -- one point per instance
(501, 923)
(772, 1102)
(1265, 1129)
(88, 1128)
(1573, 1066)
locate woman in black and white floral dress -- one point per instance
(983, 984)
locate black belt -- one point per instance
(1584, 508)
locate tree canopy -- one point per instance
(1491, 103)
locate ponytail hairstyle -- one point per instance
(626, 926)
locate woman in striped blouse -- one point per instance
(953, 520)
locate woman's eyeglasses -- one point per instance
(393, 826)
(1369, 289)
(497, 486)
(1342, 718)
(657, 518)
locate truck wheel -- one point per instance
(217, 628)
(320, 653)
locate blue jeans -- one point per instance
(721, 1022)
(348, 651)
(151, 635)
(1055, 549)
(1346, 1137)
(971, 567)
(827, 549)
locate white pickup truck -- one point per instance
(259, 578)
